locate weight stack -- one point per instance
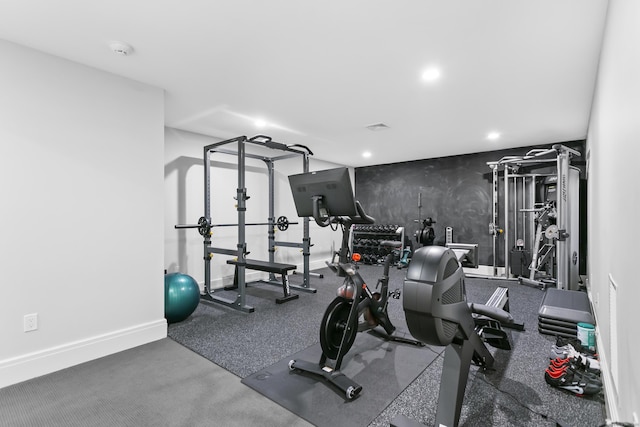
(519, 262)
(562, 310)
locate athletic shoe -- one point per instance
(582, 375)
(576, 363)
(587, 376)
(570, 381)
(571, 348)
(568, 351)
(575, 343)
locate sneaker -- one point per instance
(570, 381)
(576, 344)
(587, 376)
(576, 363)
(568, 351)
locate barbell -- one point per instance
(204, 227)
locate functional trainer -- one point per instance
(539, 189)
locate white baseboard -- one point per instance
(32, 365)
(610, 397)
(609, 389)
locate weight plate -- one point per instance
(282, 223)
(551, 232)
(203, 226)
(334, 326)
(425, 236)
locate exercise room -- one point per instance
(362, 213)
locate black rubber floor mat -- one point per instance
(383, 368)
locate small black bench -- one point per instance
(269, 267)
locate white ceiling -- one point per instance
(319, 72)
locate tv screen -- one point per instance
(333, 185)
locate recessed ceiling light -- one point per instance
(492, 136)
(260, 123)
(366, 154)
(120, 48)
(431, 74)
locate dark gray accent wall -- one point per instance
(456, 192)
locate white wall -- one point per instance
(613, 151)
(184, 203)
(82, 188)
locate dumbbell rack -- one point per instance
(365, 240)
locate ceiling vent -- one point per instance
(378, 126)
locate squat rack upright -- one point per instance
(291, 151)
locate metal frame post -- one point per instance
(506, 221)
(208, 296)
(516, 228)
(562, 244)
(241, 199)
(207, 215)
(306, 240)
(494, 217)
(271, 233)
(305, 246)
(531, 223)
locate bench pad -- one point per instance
(269, 267)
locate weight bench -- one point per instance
(269, 267)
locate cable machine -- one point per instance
(540, 222)
(241, 262)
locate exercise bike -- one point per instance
(355, 309)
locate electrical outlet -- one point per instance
(30, 322)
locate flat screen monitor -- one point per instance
(332, 185)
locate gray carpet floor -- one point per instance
(514, 394)
(158, 384)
